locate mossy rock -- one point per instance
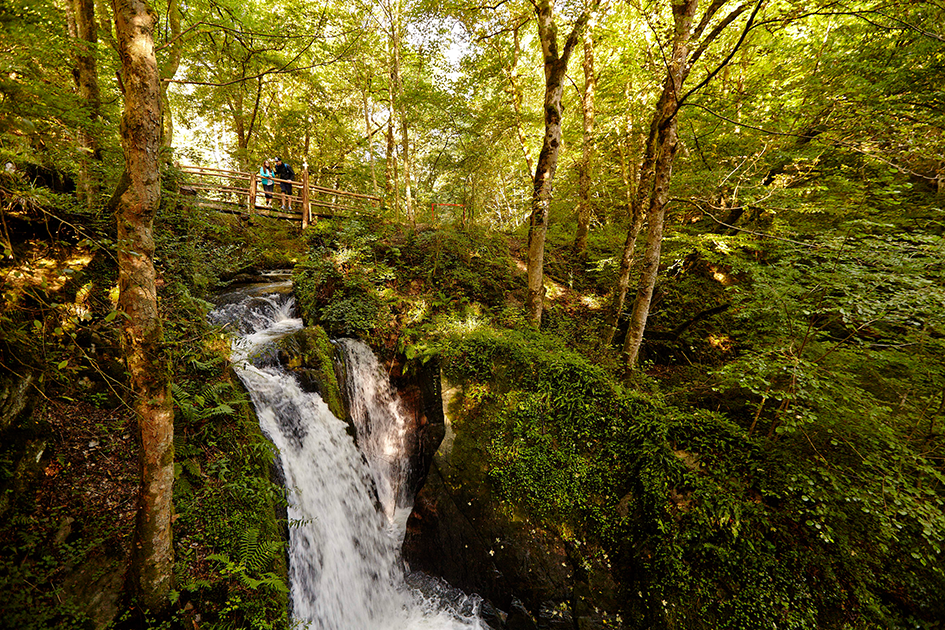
(310, 354)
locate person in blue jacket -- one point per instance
(265, 176)
(284, 172)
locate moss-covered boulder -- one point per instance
(310, 354)
(497, 516)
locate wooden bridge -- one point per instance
(241, 193)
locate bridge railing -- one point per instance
(242, 193)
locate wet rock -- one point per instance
(16, 398)
(492, 617)
(519, 618)
(96, 587)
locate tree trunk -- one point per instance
(555, 68)
(623, 277)
(169, 69)
(638, 200)
(661, 149)
(84, 31)
(408, 193)
(587, 154)
(516, 93)
(392, 188)
(368, 132)
(142, 333)
(390, 165)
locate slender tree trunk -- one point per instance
(654, 239)
(638, 200)
(84, 31)
(142, 333)
(401, 108)
(663, 139)
(390, 165)
(587, 151)
(661, 149)
(392, 189)
(368, 132)
(169, 69)
(408, 192)
(516, 97)
(623, 278)
(555, 68)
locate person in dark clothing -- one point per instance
(284, 171)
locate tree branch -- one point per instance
(728, 58)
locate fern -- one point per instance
(214, 399)
(254, 556)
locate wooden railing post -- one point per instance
(305, 208)
(252, 193)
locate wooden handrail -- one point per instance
(213, 171)
(248, 195)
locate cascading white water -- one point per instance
(382, 431)
(344, 567)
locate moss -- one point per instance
(316, 356)
(226, 486)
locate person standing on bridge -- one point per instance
(265, 176)
(285, 173)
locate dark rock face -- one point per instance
(456, 533)
(460, 532)
(16, 398)
(423, 402)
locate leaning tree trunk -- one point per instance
(638, 200)
(555, 68)
(587, 153)
(142, 333)
(654, 239)
(664, 131)
(391, 187)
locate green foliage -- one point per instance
(707, 524)
(554, 422)
(228, 510)
(374, 280)
(31, 569)
(247, 575)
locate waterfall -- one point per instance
(345, 571)
(382, 431)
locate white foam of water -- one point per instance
(344, 565)
(381, 425)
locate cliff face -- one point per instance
(529, 577)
